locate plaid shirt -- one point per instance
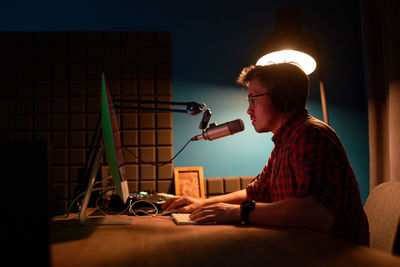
(309, 159)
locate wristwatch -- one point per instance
(245, 208)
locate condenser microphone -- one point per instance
(217, 131)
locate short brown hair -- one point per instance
(287, 83)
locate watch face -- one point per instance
(249, 204)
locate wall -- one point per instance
(212, 41)
(51, 92)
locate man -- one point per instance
(307, 182)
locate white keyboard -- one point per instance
(182, 218)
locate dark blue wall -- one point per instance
(212, 41)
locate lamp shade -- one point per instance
(290, 41)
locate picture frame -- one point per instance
(189, 181)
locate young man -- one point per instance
(307, 182)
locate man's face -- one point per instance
(263, 115)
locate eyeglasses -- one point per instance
(251, 99)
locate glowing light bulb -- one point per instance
(306, 62)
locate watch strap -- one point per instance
(245, 208)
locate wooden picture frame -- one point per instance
(189, 181)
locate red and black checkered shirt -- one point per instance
(308, 159)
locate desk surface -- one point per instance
(157, 241)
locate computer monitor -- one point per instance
(114, 158)
(112, 142)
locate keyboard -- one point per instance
(182, 218)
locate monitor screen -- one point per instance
(112, 142)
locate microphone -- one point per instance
(215, 132)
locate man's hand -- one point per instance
(221, 213)
(184, 204)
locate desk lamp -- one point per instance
(289, 42)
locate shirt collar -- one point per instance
(282, 133)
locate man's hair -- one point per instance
(288, 85)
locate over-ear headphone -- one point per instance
(282, 96)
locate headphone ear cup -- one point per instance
(283, 106)
(278, 100)
(282, 96)
(287, 100)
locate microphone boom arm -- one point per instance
(192, 108)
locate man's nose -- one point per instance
(250, 110)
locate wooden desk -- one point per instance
(157, 241)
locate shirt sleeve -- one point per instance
(318, 161)
(259, 188)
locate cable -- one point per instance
(141, 210)
(156, 163)
(129, 207)
(101, 197)
(108, 188)
(79, 196)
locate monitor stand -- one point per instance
(84, 218)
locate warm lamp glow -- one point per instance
(306, 62)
